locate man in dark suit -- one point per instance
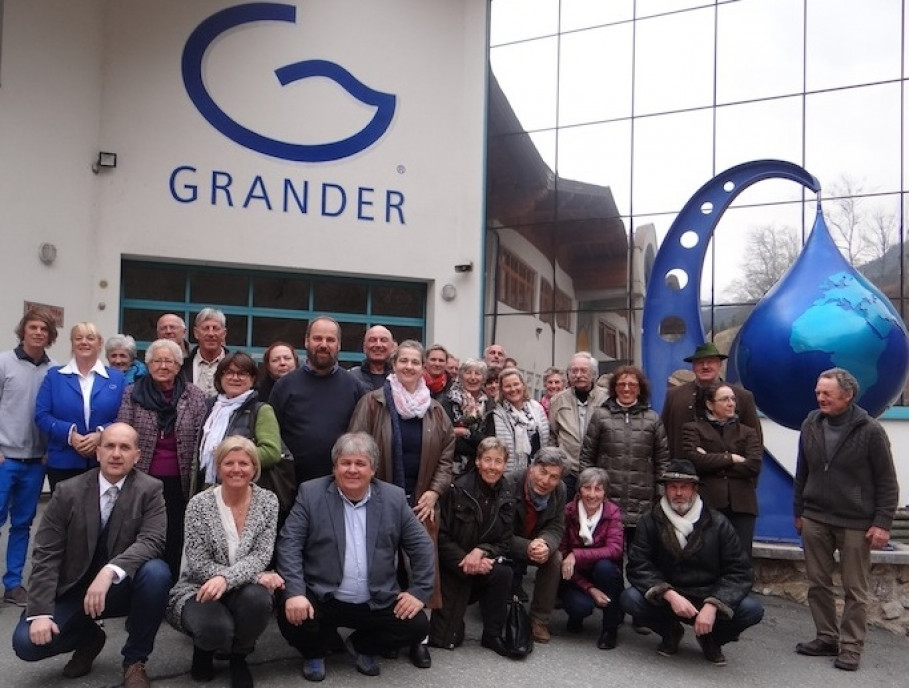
(685, 403)
(96, 556)
(337, 554)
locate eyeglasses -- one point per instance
(162, 362)
(731, 397)
(235, 373)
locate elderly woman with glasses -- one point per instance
(120, 351)
(728, 458)
(166, 412)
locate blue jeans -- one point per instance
(578, 604)
(141, 600)
(659, 617)
(20, 489)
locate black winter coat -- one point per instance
(461, 529)
(713, 567)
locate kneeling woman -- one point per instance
(592, 548)
(224, 596)
(475, 530)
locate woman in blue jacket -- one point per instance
(75, 403)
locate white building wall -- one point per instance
(50, 99)
(88, 76)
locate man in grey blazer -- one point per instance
(338, 555)
(96, 555)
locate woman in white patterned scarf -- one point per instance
(519, 421)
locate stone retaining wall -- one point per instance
(779, 570)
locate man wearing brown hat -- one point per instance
(685, 402)
(686, 565)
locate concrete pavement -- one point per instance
(763, 657)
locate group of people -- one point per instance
(215, 493)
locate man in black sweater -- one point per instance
(314, 403)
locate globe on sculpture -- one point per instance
(822, 314)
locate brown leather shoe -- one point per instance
(818, 648)
(848, 660)
(539, 631)
(134, 676)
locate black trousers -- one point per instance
(376, 631)
(233, 623)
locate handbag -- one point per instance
(280, 478)
(517, 636)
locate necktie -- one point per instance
(107, 503)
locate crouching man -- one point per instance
(97, 556)
(338, 555)
(686, 565)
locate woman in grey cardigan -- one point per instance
(224, 597)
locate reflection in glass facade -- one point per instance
(605, 117)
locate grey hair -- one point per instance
(592, 363)
(593, 476)
(488, 443)
(844, 379)
(473, 363)
(121, 341)
(357, 444)
(210, 314)
(409, 344)
(168, 344)
(551, 456)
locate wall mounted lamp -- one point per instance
(47, 253)
(105, 161)
(449, 292)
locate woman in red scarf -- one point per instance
(434, 371)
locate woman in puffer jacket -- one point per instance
(627, 439)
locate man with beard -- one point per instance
(314, 403)
(378, 345)
(687, 566)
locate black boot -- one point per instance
(239, 672)
(203, 668)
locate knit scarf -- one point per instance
(409, 405)
(523, 423)
(588, 523)
(213, 431)
(149, 396)
(682, 525)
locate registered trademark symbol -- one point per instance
(401, 169)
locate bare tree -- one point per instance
(846, 216)
(769, 252)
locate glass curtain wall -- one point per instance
(605, 117)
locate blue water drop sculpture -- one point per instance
(823, 313)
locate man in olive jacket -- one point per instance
(539, 521)
(845, 495)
